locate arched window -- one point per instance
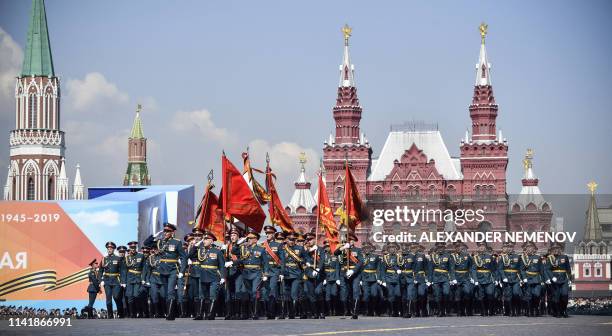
(396, 193)
(32, 112)
(339, 194)
(586, 270)
(451, 192)
(598, 273)
(14, 186)
(477, 192)
(50, 189)
(31, 192)
(484, 227)
(432, 192)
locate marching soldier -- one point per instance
(173, 263)
(421, 281)
(442, 275)
(121, 250)
(145, 289)
(272, 259)
(112, 272)
(370, 277)
(93, 288)
(509, 268)
(484, 276)
(532, 275)
(152, 278)
(134, 262)
(311, 278)
(463, 274)
(192, 288)
(559, 275)
(233, 283)
(182, 284)
(407, 281)
(390, 273)
(330, 265)
(292, 263)
(351, 259)
(211, 273)
(254, 271)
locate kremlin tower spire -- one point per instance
(78, 189)
(592, 229)
(348, 143)
(302, 206)
(137, 171)
(37, 142)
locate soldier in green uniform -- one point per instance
(113, 274)
(93, 288)
(254, 271)
(559, 275)
(292, 263)
(421, 279)
(532, 275)
(210, 268)
(441, 276)
(134, 261)
(484, 275)
(509, 268)
(390, 273)
(407, 281)
(182, 284)
(311, 278)
(173, 262)
(370, 277)
(155, 282)
(464, 290)
(145, 289)
(270, 292)
(330, 266)
(234, 283)
(193, 274)
(351, 259)
(121, 251)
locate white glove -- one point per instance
(379, 282)
(345, 246)
(223, 247)
(318, 270)
(360, 283)
(569, 283)
(308, 264)
(324, 282)
(428, 283)
(180, 275)
(229, 263)
(222, 281)
(123, 285)
(264, 278)
(454, 281)
(314, 248)
(142, 282)
(101, 283)
(157, 233)
(475, 283)
(548, 282)
(338, 282)
(189, 262)
(554, 279)
(525, 280)
(148, 284)
(496, 282)
(241, 240)
(472, 280)
(315, 273)
(384, 284)
(505, 280)
(416, 282)
(399, 271)
(349, 273)
(281, 277)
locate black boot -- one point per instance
(304, 308)
(442, 307)
(321, 308)
(171, 310)
(564, 301)
(109, 309)
(280, 308)
(355, 309)
(211, 312)
(292, 308)
(271, 309)
(200, 311)
(424, 312)
(254, 311)
(483, 307)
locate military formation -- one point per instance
(289, 276)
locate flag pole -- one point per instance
(318, 215)
(346, 215)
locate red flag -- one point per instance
(352, 202)
(208, 218)
(325, 216)
(278, 214)
(258, 190)
(238, 199)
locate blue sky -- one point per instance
(224, 75)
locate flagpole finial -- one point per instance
(267, 157)
(592, 187)
(211, 176)
(483, 31)
(347, 32)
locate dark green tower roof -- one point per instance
(37, 60)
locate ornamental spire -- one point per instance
(137, 132)
(483, 74)
(592, 229)
(347, 69)
(37, 60)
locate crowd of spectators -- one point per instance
(7, 312)
(590, 306)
